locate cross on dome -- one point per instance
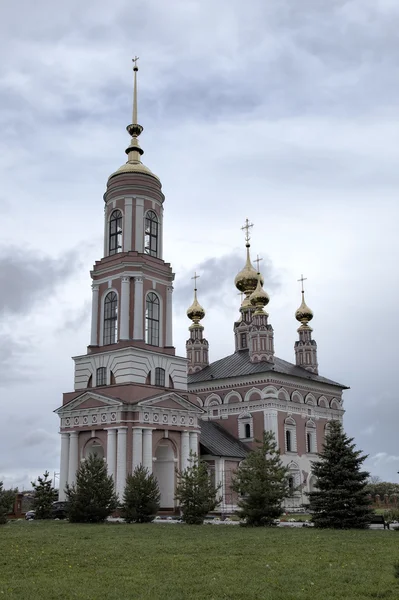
(247, 227)
(195, 279)
(302, 279)
(258, 259)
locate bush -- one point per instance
(195, 491)
(141, 497)
(392, 514)
(92, 499)
(45, 495)
(7, 498)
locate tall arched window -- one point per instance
(151, 234)
(110, 318)
(288, 440)
(160, 376)
(115, 232)
(152, 319)
(101, 376)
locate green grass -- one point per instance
(59, 560)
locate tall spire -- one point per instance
(305, 347)
(196, 346)
(135, 69)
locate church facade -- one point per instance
(135, 402)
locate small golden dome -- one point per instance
(259, 297)
(304, 314)
(195, 312)
(247, 279)
(134, 167)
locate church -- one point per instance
(135, 402)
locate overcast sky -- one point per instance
(281, 111)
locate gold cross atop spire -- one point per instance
(258, 259)
(247, 227)
(302, 279)
(195, 279)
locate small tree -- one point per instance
(92, 499)
(341, 498)
(7, 498)
(141, 497)
(195, 491)
(262, 483)
(45, 495)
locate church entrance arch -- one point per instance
(93, 447)
(164, 471)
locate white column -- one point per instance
(105, 231)
(138, 316)
(271, 422)
(63, 465)
(147, 449)
(121, 461)
(137, 447)
(160, 234)
(73, 456)
(127, 225)
(169, 316)
(139, 232)
(94, 315)
(185, 449)
(125, 298)
(111, 453)
(194, 442)
(220, 478)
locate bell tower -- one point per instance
(197, 347)
(305, 347)
(132, 285)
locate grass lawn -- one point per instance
(40, 560)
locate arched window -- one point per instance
(151, 234)
(115, 232)
(152, 319)
(110, 318)
(101, 376)
(308, 442)
(247, 430)
(288, 440)
(160, 376)
(291, 484)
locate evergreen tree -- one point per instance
(195, 491)
(341, 498)
(7, 498)
(92, 498)
(45, 495)
(141, 497)
(262, 483)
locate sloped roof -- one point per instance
(238, 364)
(219, 442)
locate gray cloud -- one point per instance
(27, 278)
(77, 319)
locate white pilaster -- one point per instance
(139, 232)
(94, 316)
(271, 423)
(185, 449)
(138, 317)
(220, 478)
(125, 301)
(64, 465)
(169, 316)
(160, 234)
(121, 461)
(105, 231)
(127, 225)
(73, 456)
(111, 453)
(193, 442)
(147, 449)
(137, 447)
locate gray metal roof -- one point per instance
(238, 364)
(219, 442)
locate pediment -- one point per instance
(171, 401)
(88, 400)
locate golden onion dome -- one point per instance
(304, 314)
(259, 297)
(195, 312)
(247, 279)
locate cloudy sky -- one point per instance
(281, 111)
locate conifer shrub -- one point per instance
(341, 500)
(7, 498)
(45, 495)
(195, 491)
(141, 497)
(261, 481)
(92, 498)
